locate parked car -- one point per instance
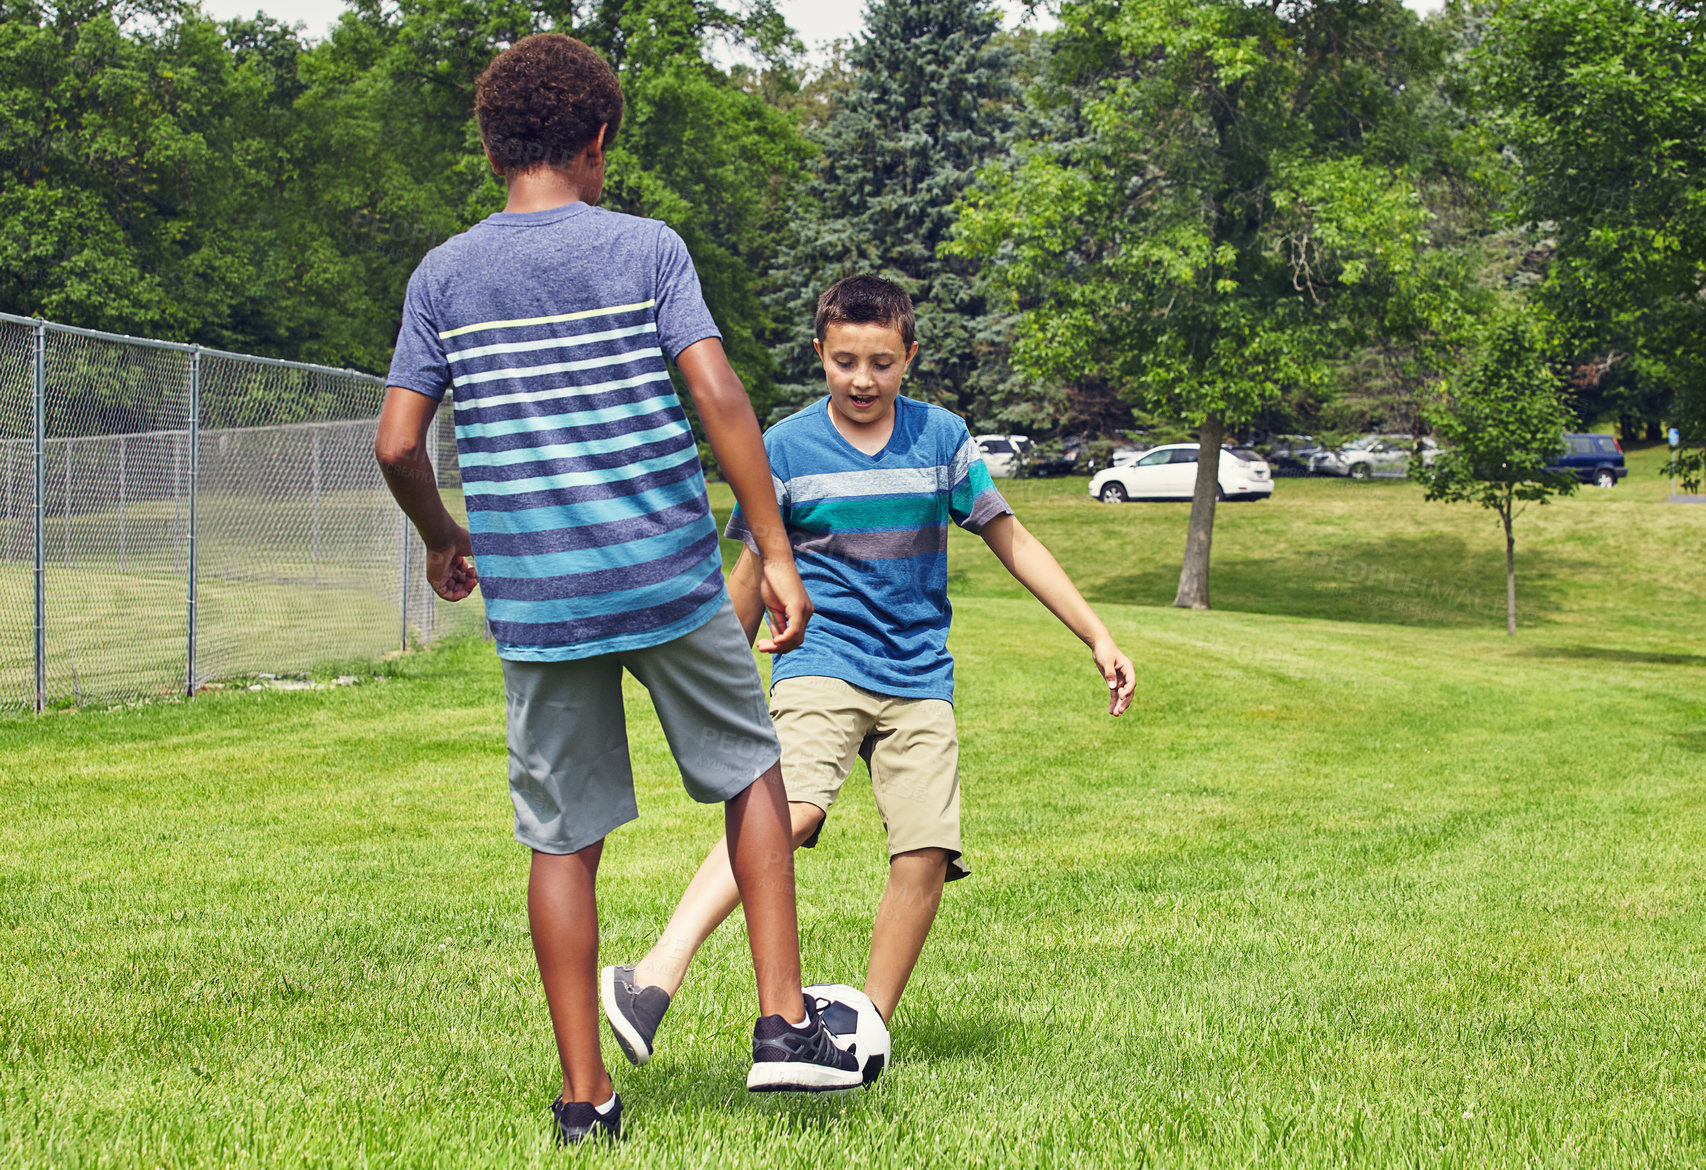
(1002, 453)
(1169, 472)
(1372, 455)
(1292, 455)
(1595, 459)
(1064, 456)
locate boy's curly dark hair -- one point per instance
(862, 300)
(543, 99)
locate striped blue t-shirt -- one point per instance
(870, 536)
(586, 502)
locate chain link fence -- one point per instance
(175, 515)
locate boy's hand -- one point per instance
(786, 601)
(450, 568)
(1117, 669)
(401, 447)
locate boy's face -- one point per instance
(863, 363)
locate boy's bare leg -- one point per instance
(710, 897)
(562, 913)
(908, 908)
(761, 856)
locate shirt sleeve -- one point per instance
(418, 363)
(737, 529)
(974, 502)
(682, 315)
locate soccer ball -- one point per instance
(853, 1022)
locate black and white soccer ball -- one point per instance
(854, 1023)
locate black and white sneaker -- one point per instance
(786, 1059)
(579, 1121)
(633, 1012)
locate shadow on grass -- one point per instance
(1606, 654)
(821, 1114)
(933, 1038)
(1431, 580)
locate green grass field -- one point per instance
(1359, 879)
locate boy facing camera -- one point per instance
(867, 482)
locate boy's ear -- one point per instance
(817, 347)
(910, 354)
(594, 148)
(493, 160)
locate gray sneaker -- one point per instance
(633, 1012)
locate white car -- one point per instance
(1001, 453)
(1170, 473)
(1372, 455)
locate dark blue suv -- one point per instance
(1595, 459)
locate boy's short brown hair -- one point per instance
(543, 99)
(866, 300)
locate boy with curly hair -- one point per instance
(590, 535)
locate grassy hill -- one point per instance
(1358, 878)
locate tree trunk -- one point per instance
(1510, 571)
(1193, 575)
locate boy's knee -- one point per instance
(806, 817)
(929, 859)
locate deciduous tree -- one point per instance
(1244, 201)
(226, 184)
(1603, 103)
(1499, 424)
(130, 159)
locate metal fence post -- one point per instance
(195, 489)
(65, 504)
(404, 559)
(316, 440)
(40, 454)
(121, 487)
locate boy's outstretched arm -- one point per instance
(401, 448)
(733, 432)
(1036, 569)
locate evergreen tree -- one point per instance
(1245, 201)
(930, 104)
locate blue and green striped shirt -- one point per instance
(586, 503)
(870, 535)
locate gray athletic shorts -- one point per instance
(569, 774)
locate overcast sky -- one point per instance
(817, 21)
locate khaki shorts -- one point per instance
(910, 746)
